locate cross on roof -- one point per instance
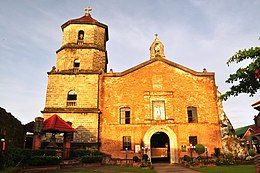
(88, 10)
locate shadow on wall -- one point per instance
(84, 135)
(82, 138)
(117, 149)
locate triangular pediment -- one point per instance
(170, 63)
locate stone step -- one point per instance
(70, 163)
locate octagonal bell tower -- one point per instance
(72, 90)
(83, 45)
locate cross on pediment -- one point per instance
(88, 10)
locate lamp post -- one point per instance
(3, 144)
(126, 153)
(206, 148)
(191, 149)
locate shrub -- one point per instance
(199, 158)
(229, 156)
(92, 159)
(249, 158)
(20, 156)
(79, 152)
(193, 162)
(43, 152)
(45, 160)
(1, 161)
(217, 152)
(228, 159)
(251, 152)
(186, 158)
(219, 161)
(200, 149)
(209, 161)
(135, 159)
(84, 152)
(17, 156)
(145, 157)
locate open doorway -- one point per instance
(160, 147)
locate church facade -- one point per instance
(158, 107)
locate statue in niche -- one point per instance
(158, 110)
(81, 36)
(157, 48)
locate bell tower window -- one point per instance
(80, 37)
(72, 98)
(76, 65)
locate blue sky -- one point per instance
(196, 33)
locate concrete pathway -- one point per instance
(168, 168)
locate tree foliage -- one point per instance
(245, 79)
(200, 149)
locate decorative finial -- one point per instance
(157, 48)
(88, 10)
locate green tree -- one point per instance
(246, 79)
(251, 152)
(200, 149)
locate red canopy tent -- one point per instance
(56, 124)
(53, 124)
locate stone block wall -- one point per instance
(93, 35)
(84, 115)
(85, 85)
(90, 59)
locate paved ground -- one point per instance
(158, 167)
(168, 168)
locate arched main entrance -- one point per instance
(160, 148)
(162, 130)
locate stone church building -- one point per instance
(158, 107)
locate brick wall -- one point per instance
(158, 80)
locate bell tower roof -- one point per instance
(86, 19)
(83, 47)
(157, 48)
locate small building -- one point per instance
(251, 136)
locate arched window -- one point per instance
(125, 115)
(76, 65)
(80, 37)
(72, 98)
(192, 115)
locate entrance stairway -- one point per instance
(70, 163)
